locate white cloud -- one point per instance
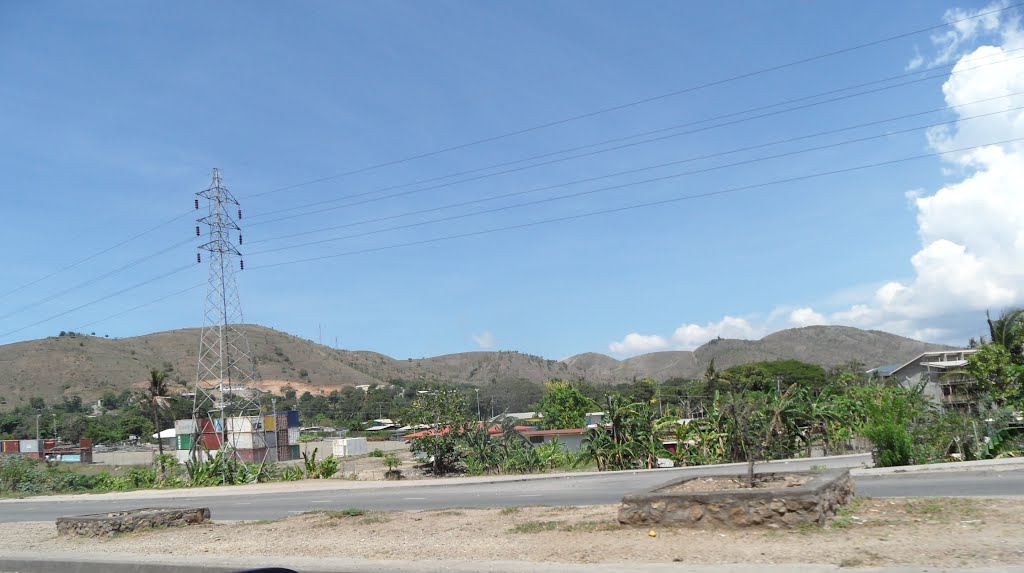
(635, 343)
(916, 62)
(485, 340)
(950, 42)
(971, 230)
(690, 336)
(806, 317)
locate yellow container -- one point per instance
(270, 423)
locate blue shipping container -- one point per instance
(293, 418)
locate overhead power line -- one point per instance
(141, 306)
(622, 146)
(98, 300)
(642, 101)
(645, 181)
(95, 279)
(577, 216)
(636, 206)
(96, 254)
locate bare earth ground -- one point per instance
(942, 532)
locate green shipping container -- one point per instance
(185, 442)
(296, 454)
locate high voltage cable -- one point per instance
(568, 150)
(575, 182)
(574, 118)
(633, 183)
(94, 255)
(94, 279)
(531, 224)
(101, 299)
(143, 305)
(623, 146)
(640, 101)
(629, 171)
(637, 206)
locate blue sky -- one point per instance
(113, 118)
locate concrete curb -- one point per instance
(1000, 464)
(99, 563)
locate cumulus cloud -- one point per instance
(635, 343)
(806, 317)
(485, 340)
(690, 336)
(971, 230)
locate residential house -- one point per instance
(943, 375)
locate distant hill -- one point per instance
(88, 366)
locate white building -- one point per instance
(942, 373)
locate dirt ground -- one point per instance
(871, 532)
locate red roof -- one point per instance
(494, 430)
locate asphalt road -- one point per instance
(563, 491)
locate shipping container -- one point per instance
(85, 443)
(349, 447)
(208, 426)
(184, 441)
(10, 446)
(182, 456)
(271, 440)
(282, 421)
(293, 418)
(49, 445)
(284, 454)
(31, 446)
(87, 456)
(272, 455)
(282, 437)
(185, 426)
(245, 424)
(293, 436)
(294, 452)
(70, 458)
(270, 423)
(211, 441)
(247, 441)
(252, 456)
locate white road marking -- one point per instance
(530, 495)
(415, 498)
(244, 503)
(320, 501)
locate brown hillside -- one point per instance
(88, 366)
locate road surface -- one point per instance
(585, 489)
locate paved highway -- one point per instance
(588, 489)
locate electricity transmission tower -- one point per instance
(226, 373)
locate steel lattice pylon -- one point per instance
(226, 373)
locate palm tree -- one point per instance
(1008, 330)
(156, 397)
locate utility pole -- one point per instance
(37, 426)
(54, 414)
(226, 373)
(477, 403)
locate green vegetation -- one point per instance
(319, 469)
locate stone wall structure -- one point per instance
(813, 502)
(109, 524)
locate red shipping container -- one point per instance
(211, 441)
(49, 444)
(282, 422)
(205, 426)
(11, 446)
(85, 443)
(252, 456)
(284, 453)
(282, 438)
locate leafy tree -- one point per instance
(445, 410)
(564, 405)
(997, 373)
(37, 403)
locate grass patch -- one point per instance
(374, 518)
(508, 510)
(449, 512)
(945, 507)
(534, 527)
(591, 526)
(339, 514)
